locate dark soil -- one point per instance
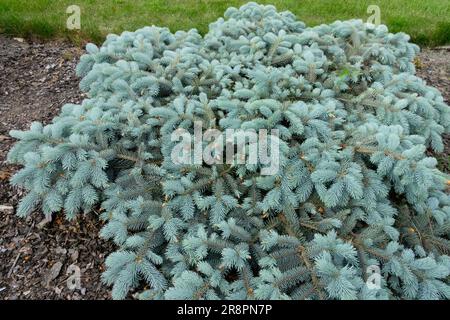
(433, 65)
(36, 79)
(36, 257)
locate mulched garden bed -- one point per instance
(36, 79)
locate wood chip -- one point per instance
(6, 208)
(5, 175)
(53, 273)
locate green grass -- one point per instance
(428, 22)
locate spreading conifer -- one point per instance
(355, 190)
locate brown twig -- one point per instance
(18, 254)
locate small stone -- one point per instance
(19, 39)
(74, 254)
(60, 250)
(6, 208)
(44, 222)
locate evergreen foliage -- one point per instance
(355, 187)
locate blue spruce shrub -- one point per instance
(355, 198)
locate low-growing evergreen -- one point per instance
(355, 190)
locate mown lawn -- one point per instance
(428, 22)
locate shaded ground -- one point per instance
(35, 257)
